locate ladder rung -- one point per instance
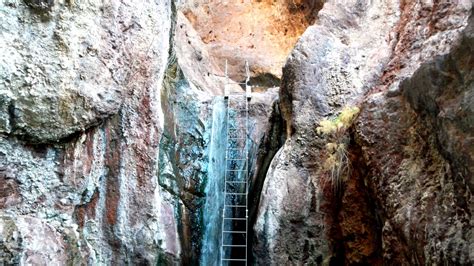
(235, 259)
(239, 112)
(237, 136)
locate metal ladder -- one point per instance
(235, 209)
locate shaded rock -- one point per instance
(5, 114)
(443, 91)
(355, 220)
(419, 151)
(424, 30)
(10, 240)
(412, 185)
(40, 4)
(287, 230)
(9, 190)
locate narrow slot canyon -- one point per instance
(253, 132)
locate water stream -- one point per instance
(217, 165)
(212, 219)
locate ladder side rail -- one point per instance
(235, 148)
(247, 135)
(225, 176)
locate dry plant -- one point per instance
(337, 164)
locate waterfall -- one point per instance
(212, 217)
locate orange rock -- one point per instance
(262, 32)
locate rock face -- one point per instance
(34, 237)
(407, 199)
(423, 180)
(261, 32)
(105, 137)
(80, 87)
(57, 78)
(329, 67)
(112, 131)
(193, 142)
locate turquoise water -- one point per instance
(212, 217)
(212, 211)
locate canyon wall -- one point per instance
(112, 130)
(406, 196)
(260, 32)
(106, 128)
(81, 123)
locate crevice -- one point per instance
(269, 148)
(263, 81)
(354, 227)
(186, 189)
(11, 116)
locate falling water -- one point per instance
(214, 187)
